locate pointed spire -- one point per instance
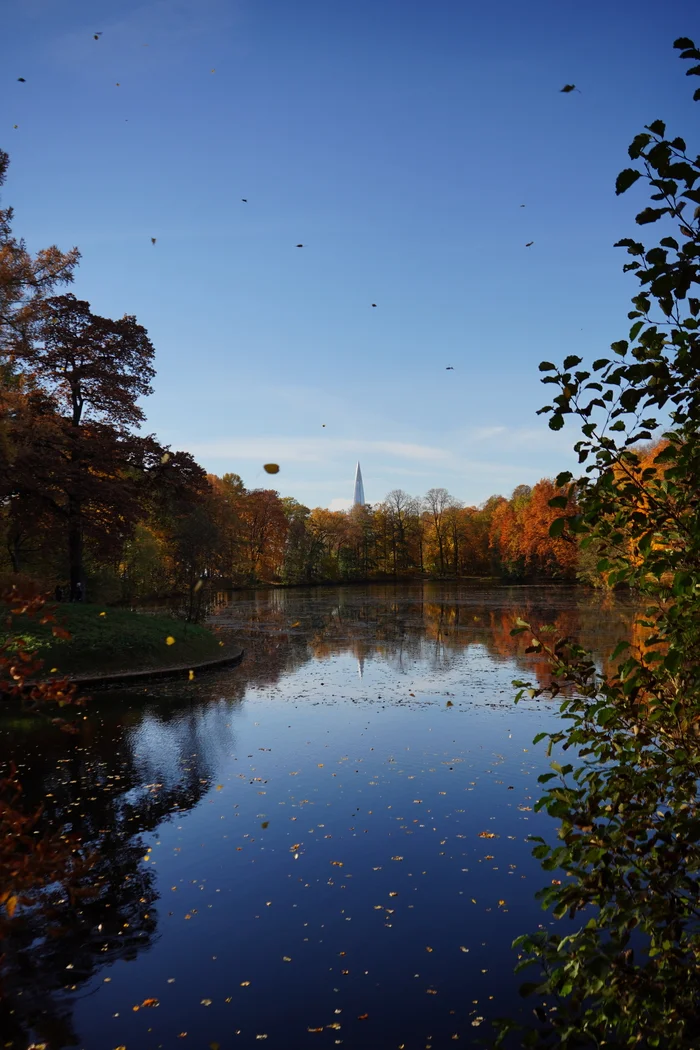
(358, 498)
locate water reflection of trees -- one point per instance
(135, 763)
(427, 622)
(94, 786)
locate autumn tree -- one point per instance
(437, 503)
(95, 369)
(264, 533)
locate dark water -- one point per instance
(293, 852)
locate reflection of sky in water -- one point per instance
(360, 847)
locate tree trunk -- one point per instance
(13, 551)
(75, 549)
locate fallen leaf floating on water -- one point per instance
(103, 614)
(22, 80)
(487, 835)
(205, 1002)
(374, 304)
(449, 704)
(314, 1029)
(153, 240)
(337, 863)
(362, 1017)
(96, 36)
(271, 468)
(286, 958)
(529, 244)
(300, 245)
(568, 88)
(296, 624)
(170, 640)
(150, 1002)
(191, 676)
(244, 199)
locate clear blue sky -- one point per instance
(396, 140)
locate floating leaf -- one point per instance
(170, 640)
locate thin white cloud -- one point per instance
(310, 450)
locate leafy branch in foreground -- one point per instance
(625, 972)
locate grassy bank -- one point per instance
(110, 640)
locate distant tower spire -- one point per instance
(358, 498)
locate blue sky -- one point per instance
(396, 140)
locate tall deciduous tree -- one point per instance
(95, 369)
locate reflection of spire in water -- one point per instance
(360, 665)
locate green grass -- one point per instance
(119, 640)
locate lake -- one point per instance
(324, 846)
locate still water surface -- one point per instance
(325, 846)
